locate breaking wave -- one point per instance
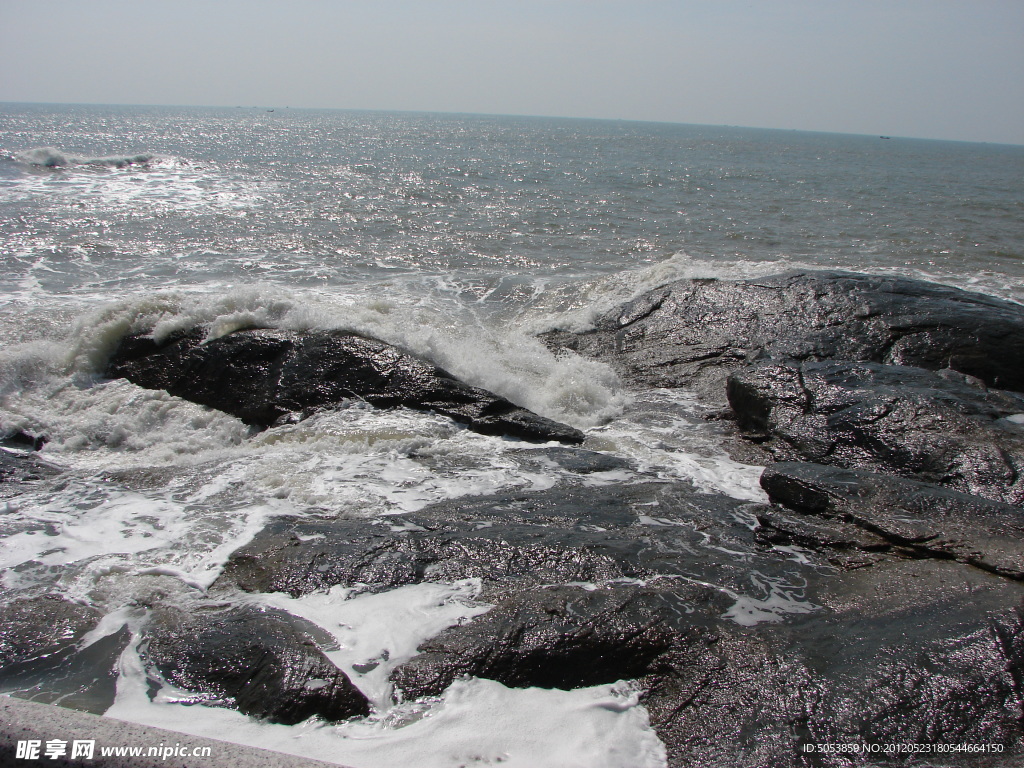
(500, 358)
(51, 157)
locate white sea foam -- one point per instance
(91, 534)
(589, 301)
(368, 462)
(474, 722)
(374, 633)
(782, 599)
(773, 599)
(119, 423)
(663, 432)
(128, 524)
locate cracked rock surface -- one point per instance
(889, 512)
(892, 419)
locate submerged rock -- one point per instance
(575, 460)
(20, 440)
(254, 661)
(17, 467)
(895, 419)
(262, 375)
(693, 332)
(43, 658)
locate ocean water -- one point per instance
(459, 238)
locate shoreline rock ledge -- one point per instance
(693, 333)
(264, 375)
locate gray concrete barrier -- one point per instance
(27, 721)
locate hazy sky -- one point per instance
(950, 69)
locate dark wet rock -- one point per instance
(758, 698)
(578, 460)
(920, 518)
(843, 544)
(41, 627)
(300, 556)
(693, 332)
(562, 637)
(511, 541)
(892, 419)
(730, 700)
(254, 661)
(42, 656)
(958, 689)
(914, 653)
(21, 440)
(263, 375)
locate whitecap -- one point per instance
(51, 157)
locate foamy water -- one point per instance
(457, 239)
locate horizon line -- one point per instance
(271, 107)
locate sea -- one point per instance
(460, 238)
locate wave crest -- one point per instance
(51, 157)
(497, 357)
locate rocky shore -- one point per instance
(877, 599)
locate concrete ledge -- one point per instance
(23, 720)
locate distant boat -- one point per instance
(881, 137)
(270, 110)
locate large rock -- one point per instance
(693, 332)
(254, 661)
(261, 375)
(766, 697)
(936, 427)
(512, 541)
(917, 518)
